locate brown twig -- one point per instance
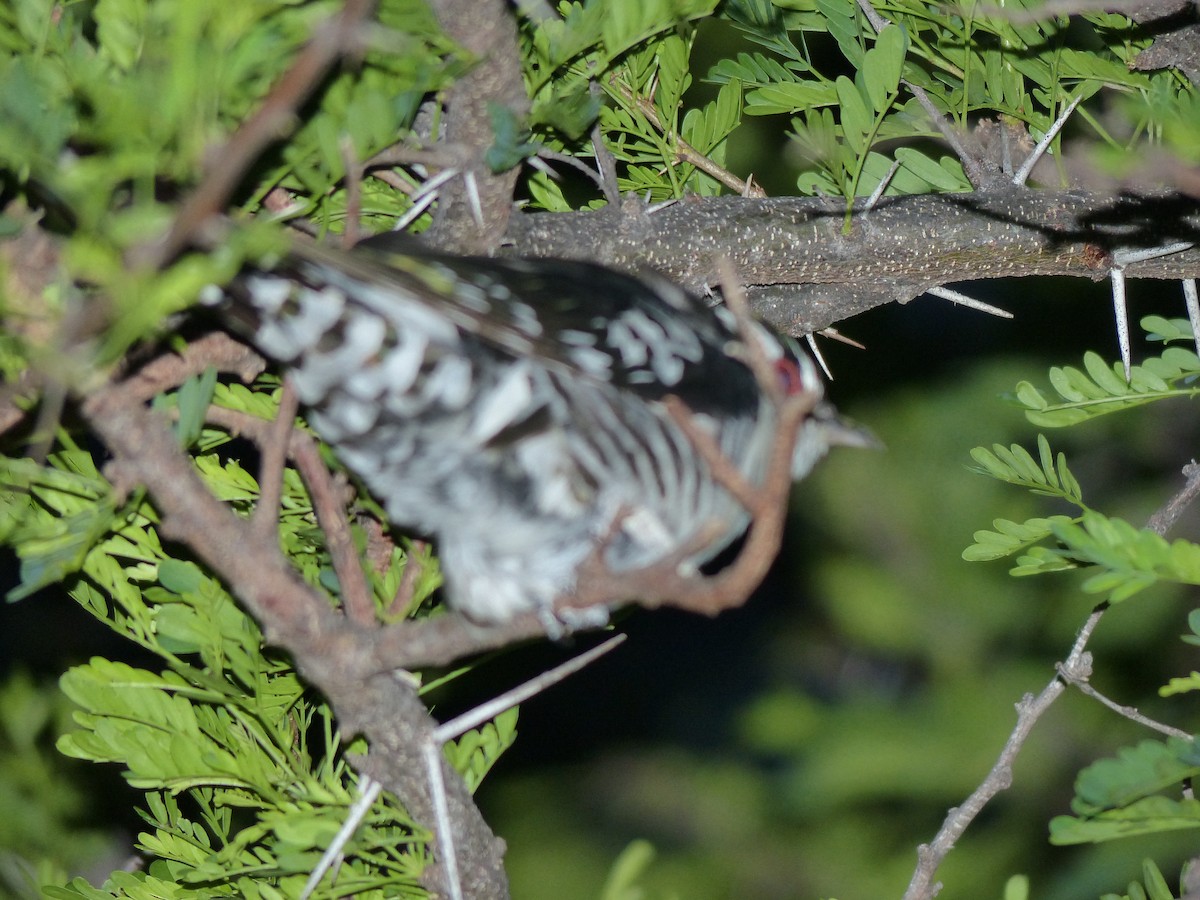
(721, 466)
(327, 499)
(274, 453)
(606, 163)
(402, 602)
(669, 582)
(685, 152)
(1079, 680)
(803, 273)
(330, 510)
(1169, 513)
(215, 350)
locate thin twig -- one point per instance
(1168, 514)
(721, 466)
(1029, 710)
(1084, 686)
(274, 453)
(402, 601)
(330, 510)
(685, 152)
(970, 164)
(606, 163)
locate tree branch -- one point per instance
(330, 652)
(803, 274)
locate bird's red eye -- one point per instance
(790, 380)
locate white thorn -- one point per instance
(971, 303)
(369, 790)
(414, 211)
(432, 752)
(836, 335)
(1032, 160)
(473, 198)
(422, 197)
(881, 187)
(431, 749)
(650, 210)
(812, 346)
(492, 708)
(1193, 308)
(432, 184)
(1122, 258)
(1116, 276)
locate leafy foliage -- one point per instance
(1123, 796)
(108, 111)
(1152, 887)
(226, 725)
(1101, 388)
(1130, 794)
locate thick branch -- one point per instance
(804, 274)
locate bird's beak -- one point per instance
(842, 432)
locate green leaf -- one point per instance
(855, 117)
(194, 397)
(627, 869)
(1010, 537)
(476, 752)
(1183, 685)
(1120, 796)
(882, 65)
(509, 144)
(1125, 560)
(842, 23)
(1016, 888)
(180, 577)
(1159, 329)
(1048, 475)
(790, 97)
(1149, 816)
(928, 170)
(1100, 388)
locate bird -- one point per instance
(515, 410)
